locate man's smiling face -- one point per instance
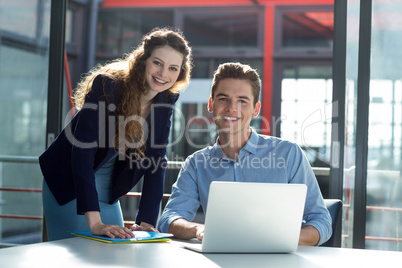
(233, 106)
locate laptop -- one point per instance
(244, 217)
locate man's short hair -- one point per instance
(237, 70)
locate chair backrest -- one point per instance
(334, 207)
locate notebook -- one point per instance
(140, 237)
(245, 217)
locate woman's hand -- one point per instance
(98, 228)
(144, 227)
(111, 231)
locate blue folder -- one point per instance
(140, 237)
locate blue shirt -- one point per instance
(262, 159)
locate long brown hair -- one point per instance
(129, 74)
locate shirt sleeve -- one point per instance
(184, 201)
(154, 177)
(152, 192)
(85, 140)
(315, 211)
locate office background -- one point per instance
(330, 76)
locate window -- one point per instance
(121, 31)
(384, 165)
(24, 31)
(302, 91)
(304, 31)
(19, 17)
(223, 31)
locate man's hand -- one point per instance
(309, 236)
(183, 229)
(200, 232)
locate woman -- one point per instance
(118, 136)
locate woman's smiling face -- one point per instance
(162, 68)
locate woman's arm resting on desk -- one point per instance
(98, 228)
(309, 236)
(183, 229)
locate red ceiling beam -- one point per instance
(172, 3)
(186, 3)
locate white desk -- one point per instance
(79, 252)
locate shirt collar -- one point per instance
(252, 143)
(251, 146)
(217, 151)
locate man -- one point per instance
(240, 154)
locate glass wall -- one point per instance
(384, 180)
(302, 62)
(352, 46)
(307, 30)
(222, 30)
(121, 31)
(302, 92)
(24, 32)
(216, 36)
(306, 93)
(384, 165)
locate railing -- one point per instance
(318, 171)
(19, 159)
(34, 160)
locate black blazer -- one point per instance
(85, 144)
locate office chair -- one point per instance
(334, 207)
